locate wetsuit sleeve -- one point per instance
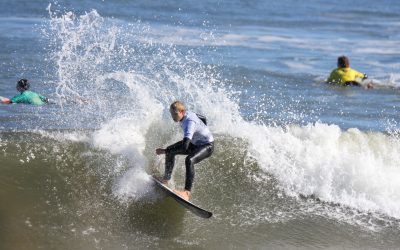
(17, 99)
(174, 147)
(180, 146)
(186, 143)
(360, 75)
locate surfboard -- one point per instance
(187, 204)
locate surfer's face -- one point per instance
(177, 115)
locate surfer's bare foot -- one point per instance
(184, 194)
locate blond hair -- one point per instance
(177, 106)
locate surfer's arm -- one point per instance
(5, 100)
(180, 146)
(360, 75)
(186, 143)
(160, 151)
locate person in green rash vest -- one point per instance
(25, 96)
(344, 75)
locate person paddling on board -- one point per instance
(345, 76)
(197, 144)
(25, 96)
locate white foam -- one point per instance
(352, 168)
(133, 185)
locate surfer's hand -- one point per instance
(5, 100)
(160, 151)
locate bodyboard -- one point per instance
(187, 204)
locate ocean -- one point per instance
(298, 163)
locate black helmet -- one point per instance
(23, 84)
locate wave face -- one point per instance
(114, 84)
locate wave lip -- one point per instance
(351, 168)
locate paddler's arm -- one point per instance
(360, 75)
(5, 100)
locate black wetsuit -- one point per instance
(198, 144)
(194, 153)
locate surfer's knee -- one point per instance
(189, 161)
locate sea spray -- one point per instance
(350, 168)
(129, 82)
